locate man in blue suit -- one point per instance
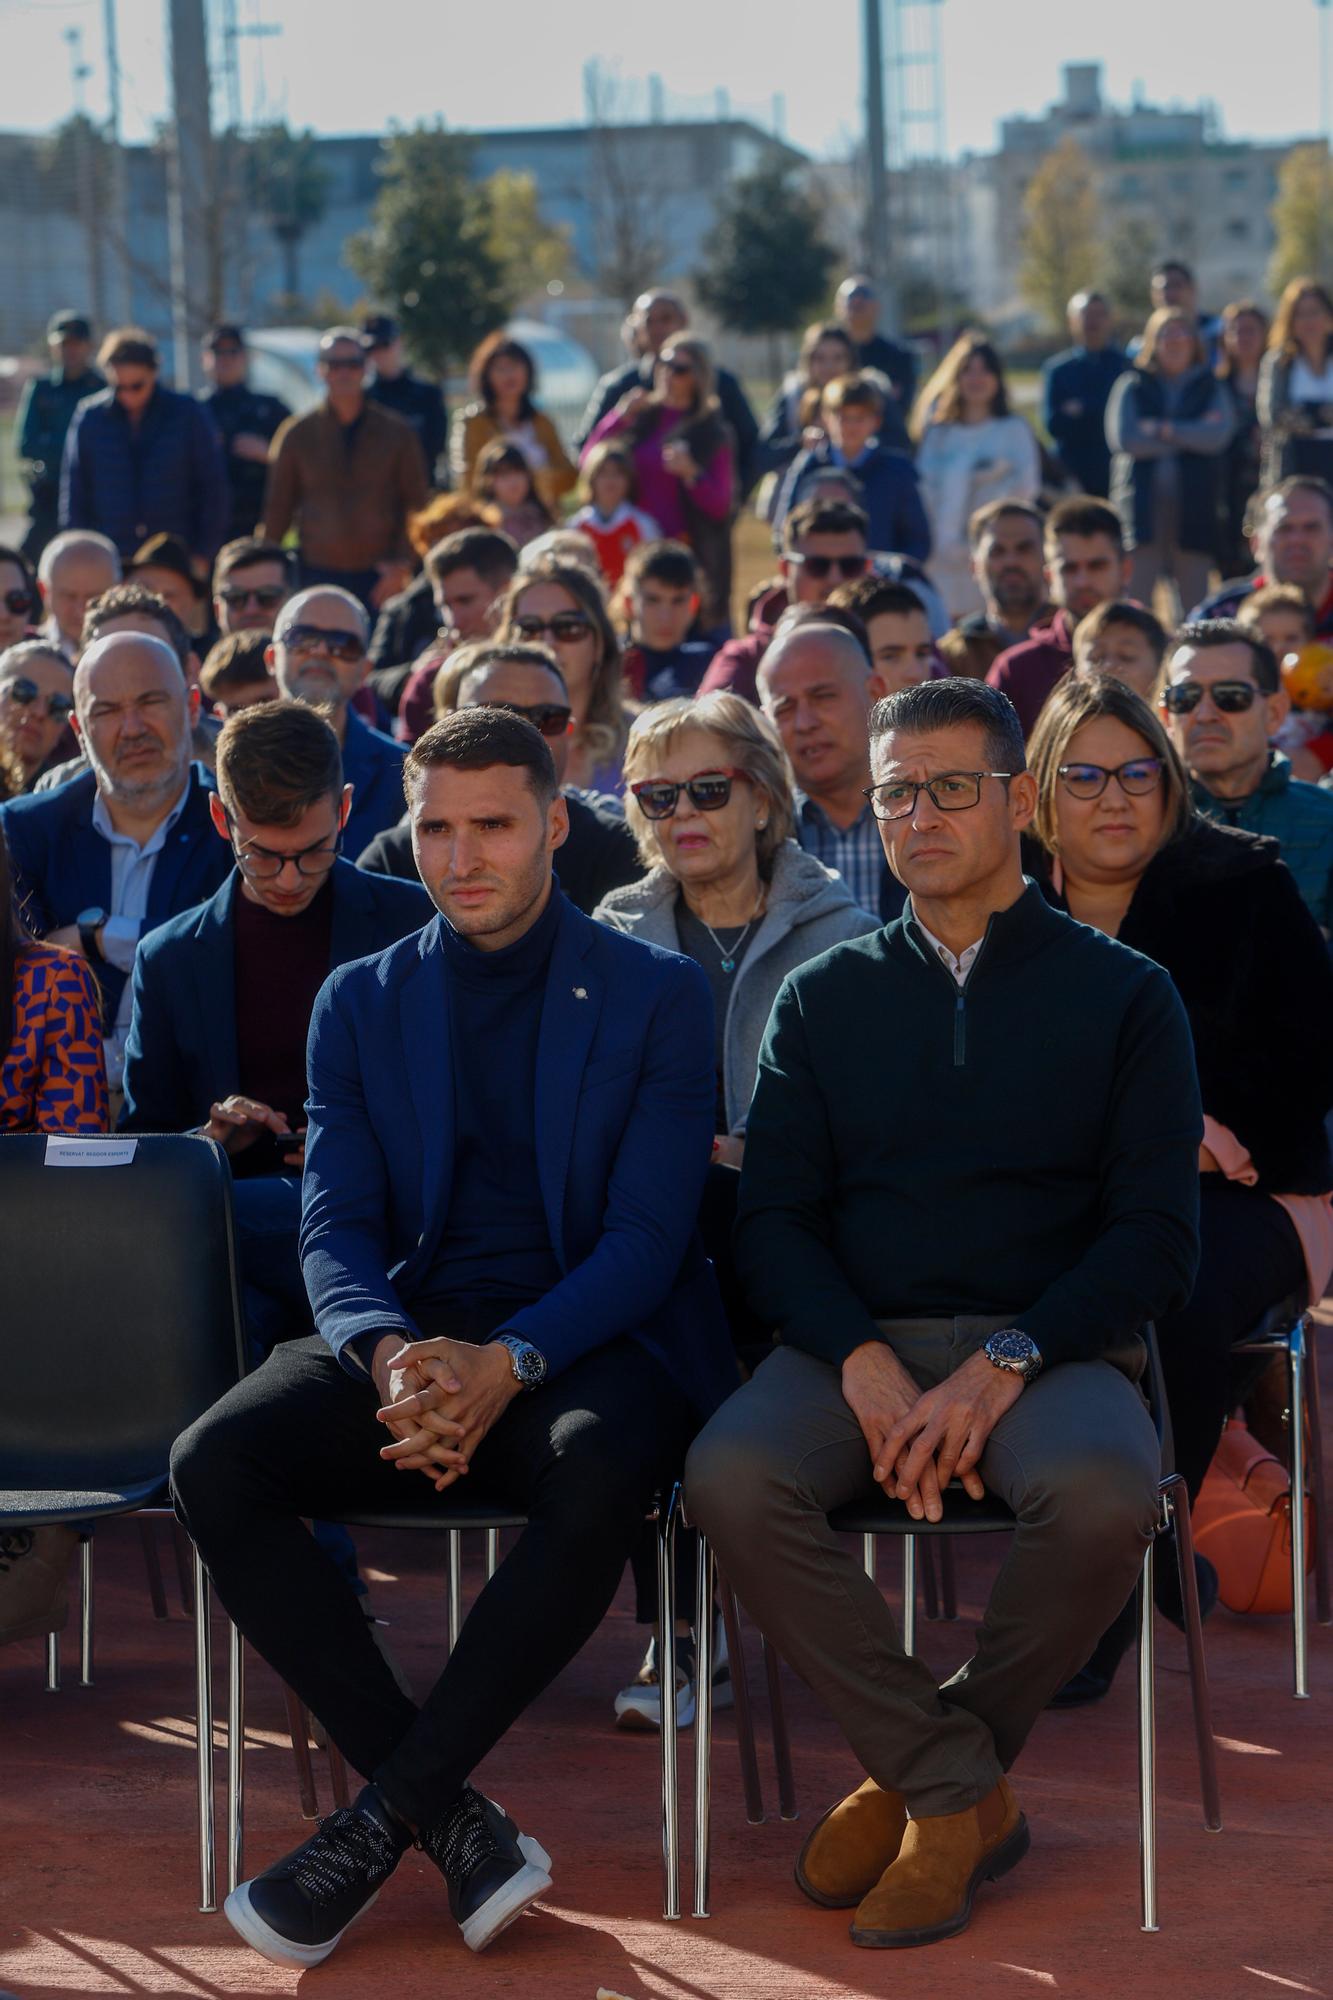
(319, 656)
(509, 1127)
(223, 993)
(107, 857)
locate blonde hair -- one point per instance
(1146, 359)
(1086, 697)
(753, 746)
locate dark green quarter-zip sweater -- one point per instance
(1027, 1144)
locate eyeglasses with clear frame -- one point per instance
(950, 792)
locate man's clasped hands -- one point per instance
(920, 1440)
(439, 1398)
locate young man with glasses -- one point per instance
(318, 655)
(823, 545)
(510, 1125)
(247, 421)
(223, 993)
(599, 854)
(958, 1248)
(347, 475)
(1222, 702)
(142, 460)
(252, 580)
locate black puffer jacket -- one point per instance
(1221, 912)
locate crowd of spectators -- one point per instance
(277, 705)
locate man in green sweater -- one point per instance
(971, 1175)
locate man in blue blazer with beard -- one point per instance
(510, 1124)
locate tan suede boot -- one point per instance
(850, 1848)
(927, 1892)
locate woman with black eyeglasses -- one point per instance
(1119, 847)
(560, 605)
(36, 702)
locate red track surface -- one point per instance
(98, 1878)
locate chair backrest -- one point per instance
(119, 1307)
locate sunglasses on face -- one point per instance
(1138, 777)
(16, 602)
(1232, 697)
(24, 693)
(552, 718)
(266, 595)
(674, 367)
(347, 362)
(226, 353)
(565, 627)
(708, 792)
(820, 567)
(346, 646)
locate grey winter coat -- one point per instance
(810, 909)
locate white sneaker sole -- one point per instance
(246, 1921)
(500, 1910)
(641, 1708)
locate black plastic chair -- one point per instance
(123, 1313)
(1285, 1329)
(963, 1516)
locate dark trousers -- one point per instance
(582, 1456)
(267, 1211)
(1250, 1259)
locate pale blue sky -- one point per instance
(353, 68)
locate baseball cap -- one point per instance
(378, 330)
(68, 326)
(226, 334)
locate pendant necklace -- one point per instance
(729, 958)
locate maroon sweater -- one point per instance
(1027, 673)
(281, 963)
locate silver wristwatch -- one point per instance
(1017, 1353)
(528, 1362)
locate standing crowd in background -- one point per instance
(478, 705)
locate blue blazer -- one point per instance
(62, 865)
(624, 1124)
(373, 767)
(181, 1055)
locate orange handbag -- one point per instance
(1242, 1523)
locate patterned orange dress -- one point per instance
(53, 1078)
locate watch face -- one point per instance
(1013, 1350)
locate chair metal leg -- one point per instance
(235, 1756)
(868, 1554)
(1147, 1749)
(492, 1552)
(703, 1722)
(203, 1709)
(740, 1690)
(298, 1725)
(666, 1661)
(455, 1586)
(909, 1593)
(153, 1567)
(1300, 1637)
(929, 1590)
(777, 1710)
(53, 1663)
(1318, 1487)
(180, 1542)
(1176, 1510)
(948, 1583)
(86, 1610)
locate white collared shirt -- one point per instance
(132, 869)
(959, 967)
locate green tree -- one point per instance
(290, 189)
(1061, 228)
(530, 251)
(767, 265)
(428, 254)
(1126, 264)
(1302, 222)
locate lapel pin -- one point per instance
(580, 992)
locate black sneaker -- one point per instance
(297, 1910)
(493, 1871)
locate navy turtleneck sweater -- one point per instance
(495, 1242)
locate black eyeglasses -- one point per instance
(18, 601)
(266, 595)
(708, 792)
(1138, 777)
(674, 367)
(261, 864)
(820, 567)
(950, 792)
(552, 718)
(565, 627)
(59, 707)
(346, 363)
(1231, 697)
(347, 646)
